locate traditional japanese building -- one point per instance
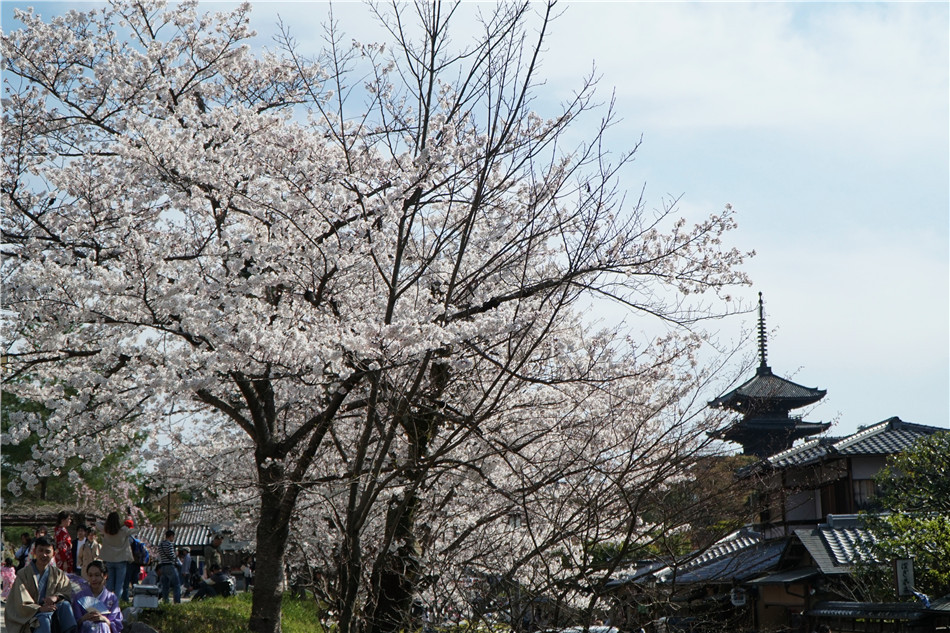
(764, 403)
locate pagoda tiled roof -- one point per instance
(791, 426)
(766, 386)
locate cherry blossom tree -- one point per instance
(350, 291)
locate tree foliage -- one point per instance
(914, 521)
(91, 487)
(916, 480)
(349, 292)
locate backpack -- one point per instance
(140, 555)
(225, 587)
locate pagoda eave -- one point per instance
(751, 429)
(745, 404)
(737, 433)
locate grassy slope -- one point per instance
(226, 615)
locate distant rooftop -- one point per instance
(888, 437)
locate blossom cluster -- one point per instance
(362, 319)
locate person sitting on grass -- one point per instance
(40, 592)
(22, 553)
(96, 608)
(218, 583)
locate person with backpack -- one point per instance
(140, 558)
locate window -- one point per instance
(863, 493)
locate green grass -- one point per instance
(227, 615)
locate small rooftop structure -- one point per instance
(765, 401)
(838, 544)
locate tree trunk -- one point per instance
(396, 574)
(397, 570)
(350, 566)
(273, 530)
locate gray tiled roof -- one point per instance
(194, 527)
(899, 611)
(734, 542)
(191, 536)
(644, 572)
(847, 545)
(749, 562)
(885, 438)
(837, 546)
(741, 555)
(789, 575)
(809, 451)
(197, 514)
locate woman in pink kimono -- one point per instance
(95, 607)
(8, 573)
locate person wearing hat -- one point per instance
(213, 554)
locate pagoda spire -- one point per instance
(764, 368)
(764, 402)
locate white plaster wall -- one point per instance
(865, 467)
(802, 506)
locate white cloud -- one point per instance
(806, 68)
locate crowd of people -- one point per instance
(40, 580)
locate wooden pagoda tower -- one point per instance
(764, 402)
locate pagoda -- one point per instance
(764, 401)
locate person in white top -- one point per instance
(116, 551)
(77, 545)
(89, 551)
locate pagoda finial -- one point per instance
(763, 365)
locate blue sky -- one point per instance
(825, 125)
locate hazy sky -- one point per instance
(825, 125)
